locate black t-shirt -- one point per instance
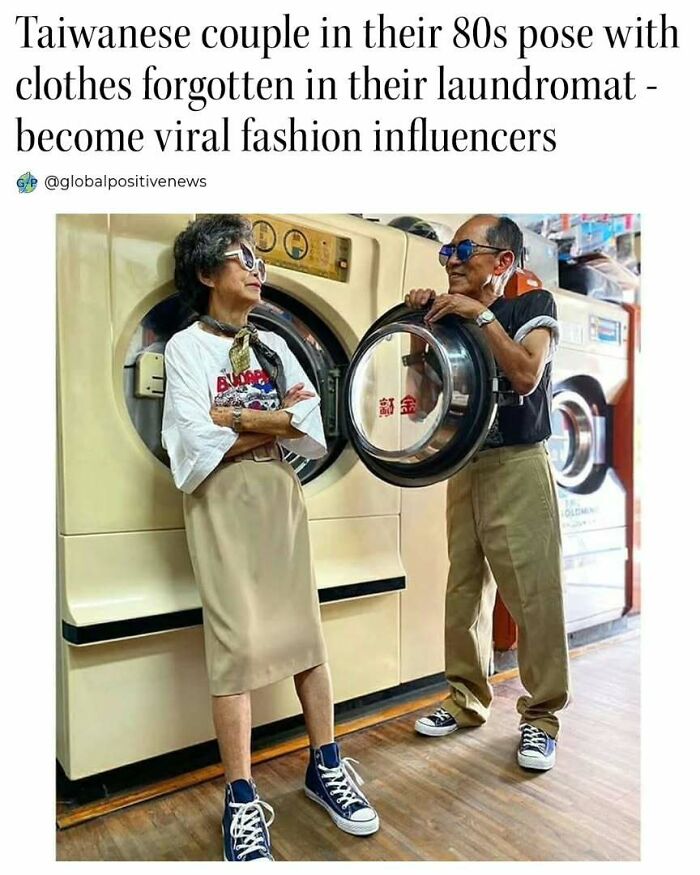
(531, 422)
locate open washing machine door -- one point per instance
(419, 400)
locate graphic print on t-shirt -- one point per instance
(253, 389)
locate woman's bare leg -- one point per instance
(315, 693)
(232, 721)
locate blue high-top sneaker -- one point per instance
(244, 827)
(537, 750)
(329, 782)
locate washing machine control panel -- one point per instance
(606, 331)
(298, 247)
(597, 333)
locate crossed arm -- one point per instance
(260, 427)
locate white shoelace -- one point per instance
(534, 738)
(246, 826)
(340, 785)
(440, 715)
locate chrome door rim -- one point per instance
(442, 431)
(460, 351)
(580, 415)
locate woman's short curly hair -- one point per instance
(200, 249)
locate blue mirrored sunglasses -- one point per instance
(464, 250)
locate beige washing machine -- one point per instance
(131, 677)
(589, 374)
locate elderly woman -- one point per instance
(234, 397)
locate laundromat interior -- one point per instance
(134, 726)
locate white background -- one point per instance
(637, 157)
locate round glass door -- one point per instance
(572, 443)
(418, 399)
(397, 416)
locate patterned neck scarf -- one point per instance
(239, 354)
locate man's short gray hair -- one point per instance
(505, 234)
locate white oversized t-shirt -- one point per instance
(199, 376)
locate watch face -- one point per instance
(486, 317)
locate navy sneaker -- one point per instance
(537, 750)
(440, 722)
(244, 827)
(329, 782)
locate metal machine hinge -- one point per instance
(333, 390)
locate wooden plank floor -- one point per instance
(462, 797)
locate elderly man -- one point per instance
(502, 513)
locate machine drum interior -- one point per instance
(313, 343)
(579, 440)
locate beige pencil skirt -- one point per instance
(248, 537)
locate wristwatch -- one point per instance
(486, 317)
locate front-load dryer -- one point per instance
(131, 677)
(589, 374)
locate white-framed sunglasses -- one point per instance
(247, 258)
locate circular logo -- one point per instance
(264, 236)
(295, 244)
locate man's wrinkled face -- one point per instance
(469, 277)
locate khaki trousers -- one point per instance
(503, 523)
